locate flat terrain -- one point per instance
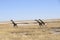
(30, 30)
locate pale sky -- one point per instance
(29, 9)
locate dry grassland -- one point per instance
(29, 31)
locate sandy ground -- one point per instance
(50, 31)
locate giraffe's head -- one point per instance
(11, 20)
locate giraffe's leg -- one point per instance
(40, 26)
(16, 26)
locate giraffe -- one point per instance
(41, 21)
(43, 24)
(14, 24)
(40, 24)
